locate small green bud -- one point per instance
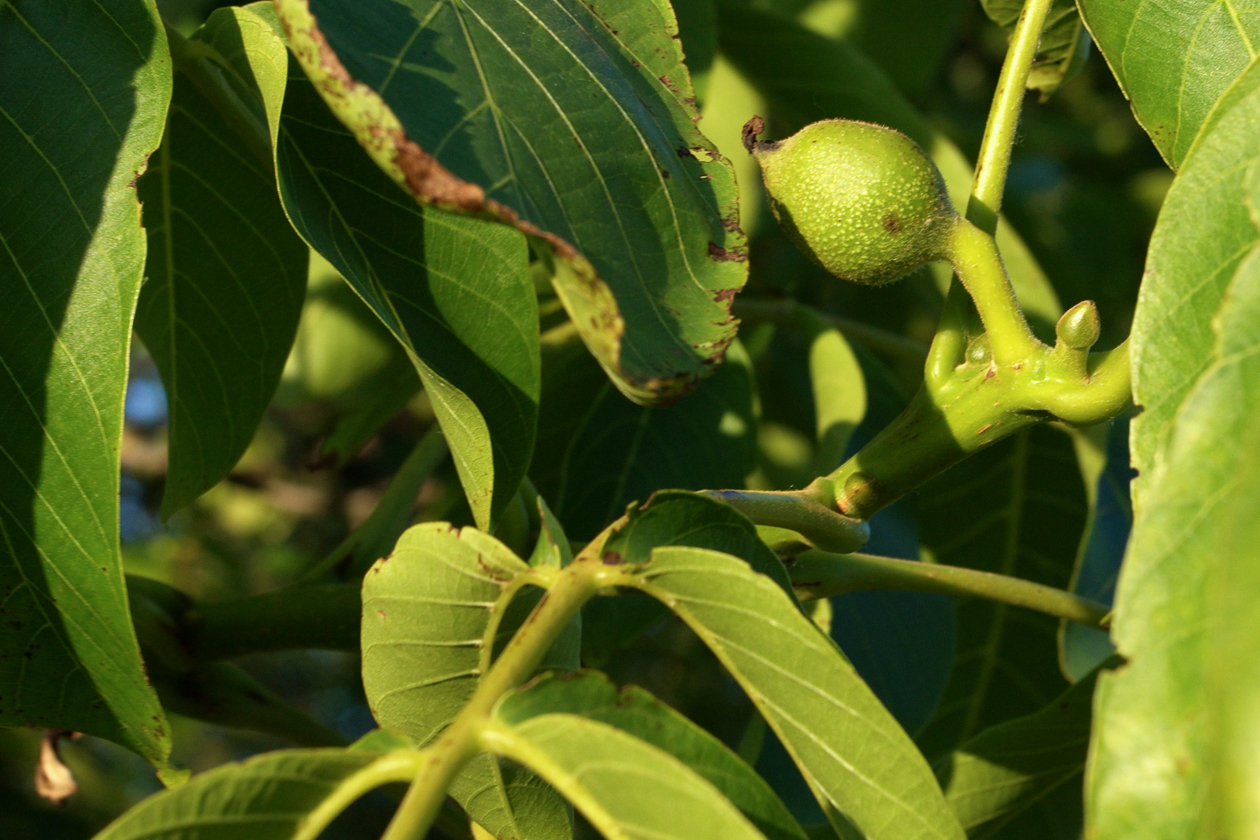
(862, 200)
(1079, 327)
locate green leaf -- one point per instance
(1064, 42)
(863, 768)
(1201, 237)
(597, 451)
(1176, 742)
(572, 121)
(287, 795)
(1017, 508)
(1002, 776)
(625, 788)
(636, 712)
(1174, 60)
(433, 612)
(83, 107)
(456, 293)
(808, 77)
(226, 274)
(839, 388)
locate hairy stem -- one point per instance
(567, 591)
(999, 132)
(818, 574)
(989, 183)
(979, 266)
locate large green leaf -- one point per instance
(82, 107)
(456, 292)
(1017, 508)
(597, 451)
(1000, 781)
(1202, 235)
(1064, 42)
(863, 768)
(807, 77)
(1174, 753)
(572, 121)
(636, 712)
(1174, 59)
(287, 795)
(226, 274)
(432, 615)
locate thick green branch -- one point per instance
(818, 574)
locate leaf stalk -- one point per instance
(819, 574)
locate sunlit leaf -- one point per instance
(288, 795)
(636, 712)
(82, 106)
(1174, 753)
(863, 768)
(1174, 60)
(432, 612)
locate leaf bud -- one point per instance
(1079, 327)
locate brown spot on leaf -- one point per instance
(611, 558)
(721, 254)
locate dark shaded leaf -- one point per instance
(1017, 508)
(572, 121)
(455, 292)
(597, 451)
(226, 274)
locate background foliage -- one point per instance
(370, 374)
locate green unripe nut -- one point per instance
(1079, 327)
(862, 200)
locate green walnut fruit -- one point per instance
(862, 200)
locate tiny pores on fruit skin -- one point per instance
(862, 200)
